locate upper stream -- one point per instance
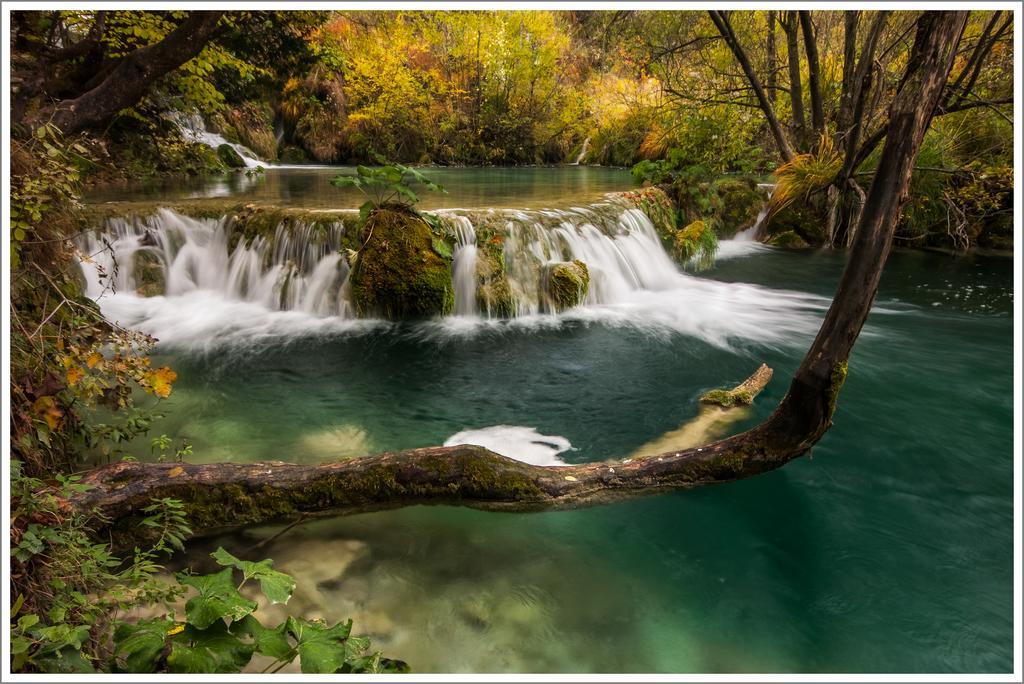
(888, 550)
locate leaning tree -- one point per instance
(223, 494)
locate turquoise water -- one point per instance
(889, 550)
(310, 187)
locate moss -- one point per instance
(252, 125)
(658, 207)
(564, 285)
(788, 239)
(290, 154)
(696, 242)
(801, 219)
(740, 203)
(494, 294)
(727, 398)
(838, 378)
(398, 274)
(230, 157)
(148, 270)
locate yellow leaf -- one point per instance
(93, 359)
(175, 471)
(160, 381)
(46, 408)
(75, 374)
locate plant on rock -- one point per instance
(388, 184)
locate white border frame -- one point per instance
(1018, 405)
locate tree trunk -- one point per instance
(813, 74)
(725, 29)
(772, 58)
(131, 79)
(844, 213)
(231, 494)
(850, 20)
(796, 92)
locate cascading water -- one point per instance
(296, 281)
(193, 128)
(464, 260)
(583, 152)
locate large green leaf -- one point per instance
(269, 642)
(218, 598)
(140, 644)
(321, 648)
(275, 585)
(210, 650)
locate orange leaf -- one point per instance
(93, 359)
(160, 381)
(75, 374)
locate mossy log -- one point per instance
(223, 495)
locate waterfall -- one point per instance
(464, 258)
(193, 128)
(583, 152)
(294, 271)
(190, 281)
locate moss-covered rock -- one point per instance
(803, 219)
(697, 242)
(494, 295)
(740, 202)
(398, 273)
(290, 154)
(788, 239)
(564, 285)
(148, 271)
(658, 207)
(230, 156)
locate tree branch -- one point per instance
(722, 23)
(129, 81)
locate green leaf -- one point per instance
(275, 585)
(365, 209)
(270, 642)
(140, 644)
(321, 648)
(210, 650)
(441, 247)
(68, 660)
(26, 621)
(407, 193)
(218, 598)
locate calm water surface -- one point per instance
(888, 550)
(310, 187)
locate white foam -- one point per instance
(520, 443)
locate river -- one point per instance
(889, 549)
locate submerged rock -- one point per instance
(398, 273)
(148, 270)
(230, 156)
(564, 285)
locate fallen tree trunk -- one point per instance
(221, 495)
(230, 494)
